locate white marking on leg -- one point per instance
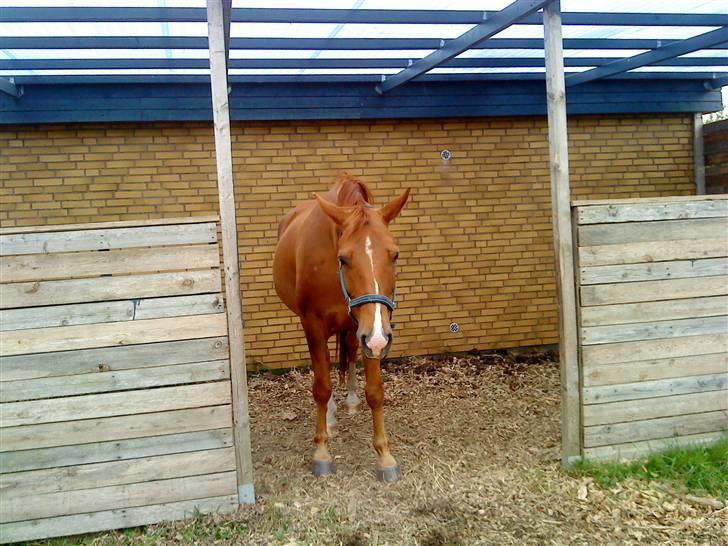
(331, 416)
(378, 340)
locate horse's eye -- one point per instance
(345, 261)
(395, 257)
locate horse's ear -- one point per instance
(392, 209)
(336, 213)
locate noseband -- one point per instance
(366, 298)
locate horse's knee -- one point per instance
(321, 392)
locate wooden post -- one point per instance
(223, 155)
(699, 155)
(563, 238)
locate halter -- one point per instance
(366, 298)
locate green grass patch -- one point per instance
(701, 470)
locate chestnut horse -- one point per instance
(334, 267)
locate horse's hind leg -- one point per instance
(352, 348)
(323, 463)
(387, 468)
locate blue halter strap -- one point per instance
(366, 298)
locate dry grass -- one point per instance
(477, 439)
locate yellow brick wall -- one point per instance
(475, 239)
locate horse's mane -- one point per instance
(351, 191)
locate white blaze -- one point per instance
(378, 340)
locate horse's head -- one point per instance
(367, 256)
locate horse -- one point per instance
(334, 267)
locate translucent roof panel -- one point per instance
(253, 41)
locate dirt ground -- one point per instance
(477, 439)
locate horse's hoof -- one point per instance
(389, 474)
(323, 468)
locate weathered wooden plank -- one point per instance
(654, 330)
(178, 306)
(111, 404)
(653, 271)
(65, 315)
(17, 485)
(117, 496)
(13, 368)
(652, 429)
(70, 265)
(659, 251)
(665, 209)
(107, 238)
(109, 311)
(652, 408)
(107, 225)
(111, 429)
(650, 311)
(631, 292)
(637, 449)
(651, 231)
(110, 334)
(635, 351)
(107, 381)
(116, 450)
(115, 519)
(649, 370)
(658, 387)
(32, 294)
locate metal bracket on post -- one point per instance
(8, 86)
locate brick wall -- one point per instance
(475, 239)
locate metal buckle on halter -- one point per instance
(366, 298)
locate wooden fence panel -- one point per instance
(652, 279)
(115, 393)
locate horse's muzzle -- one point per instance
(368, 351)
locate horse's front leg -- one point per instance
(387, 467)
(323, 463)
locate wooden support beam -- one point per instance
(672, 50)
(489, 27)
(231, 259)
(563, 236)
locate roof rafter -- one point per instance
(385, 16)
(369, 44)
(669, 51)
(353, 63)
(492, 26)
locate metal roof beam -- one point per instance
(492, 26)
(342, 63)
(341, 16)
(669, 51)
(254, 78)
(8, 86)
(369, 44)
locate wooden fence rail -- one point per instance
(652, 279)
(116, 406)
